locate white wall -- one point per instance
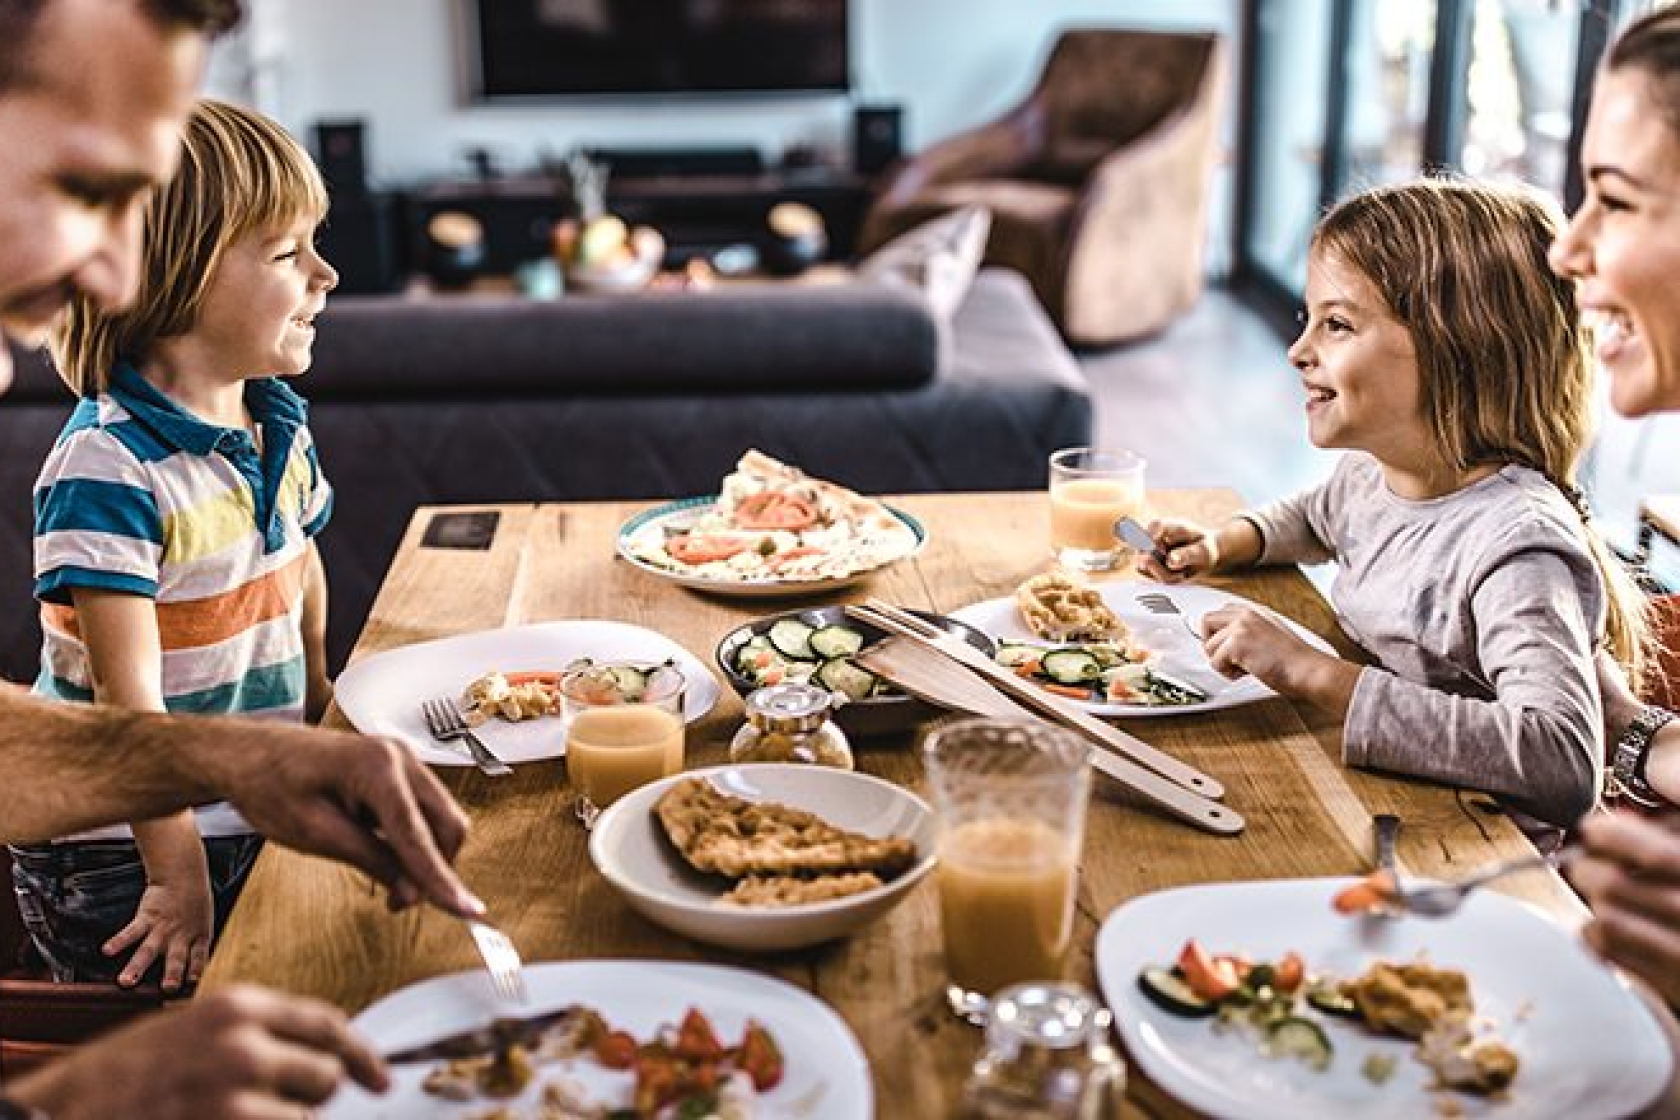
(396, 64)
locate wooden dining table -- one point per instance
(317, 928)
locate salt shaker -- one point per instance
(789, 723)
(1047, 1057)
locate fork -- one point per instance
(445, 722)
(501, 960)
(1442, 899)
(1157, 602)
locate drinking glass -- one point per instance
(1010, 799)
(617, 740)
(1090, 489)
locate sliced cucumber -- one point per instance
(1071, 666)
(1107, 656)
(631, 681)
(829, 642)
(1329, 999)
(1167, 990)
(1295, 1037)
(1013, 654)
(792, 638)
(840, 675)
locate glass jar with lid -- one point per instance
(789, 723)
(1047, 1057)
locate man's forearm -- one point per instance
(66, 767)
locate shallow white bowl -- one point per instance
(629, 848)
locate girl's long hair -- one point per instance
(1504, 364)
(240, 172)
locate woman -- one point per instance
(1623, 246)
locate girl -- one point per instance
(1443, 354)
(174, 517)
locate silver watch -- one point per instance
(1627, 758)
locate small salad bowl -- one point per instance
(815, 644)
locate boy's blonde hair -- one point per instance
(240, 172)
(1504, 365)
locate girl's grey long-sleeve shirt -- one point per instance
(1483, 609)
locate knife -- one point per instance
(1179, 683)
(496, 1035)
(1136, 536)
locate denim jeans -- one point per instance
(75, 897)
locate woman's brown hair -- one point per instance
(1504, 365)
(240, 173)
(1651, 45)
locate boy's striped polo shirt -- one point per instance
(139, 496)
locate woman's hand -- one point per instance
(1242, 638)
(1630, 876)
(173, 923)
(1188, 549)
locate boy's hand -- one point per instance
(318, 696)
(1189, 549)
(173, 923)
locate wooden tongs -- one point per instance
(1181, 790)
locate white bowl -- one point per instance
(629, 848)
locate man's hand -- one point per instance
(364, 800)
(1630, 877)
(239, 1053)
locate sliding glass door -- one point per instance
(1349, 94)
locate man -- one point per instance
(93, 96)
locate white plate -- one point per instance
(1588, 1046)
(826, 1074)
(381, 694)
(629, 848)
(1179, 651)
(680, 513)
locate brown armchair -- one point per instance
(1097, 182)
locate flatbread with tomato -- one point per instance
(774, 523)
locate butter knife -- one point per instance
(497, 1034)
(1136, 536)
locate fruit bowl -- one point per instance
(605, 255)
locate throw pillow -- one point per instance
(938, 257)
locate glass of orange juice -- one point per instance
(1010, 798)
(1090, 489)
(624, 729)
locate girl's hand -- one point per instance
(1190, 550)
(1242, 638)
(173, 923)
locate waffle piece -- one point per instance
(1410, 999)
(792, 890)
(732, 836)
(1056, 608)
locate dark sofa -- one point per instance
(475, 399)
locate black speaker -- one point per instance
(359, 239)
(339, 149)
(877, 137)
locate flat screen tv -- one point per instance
(547, 48)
